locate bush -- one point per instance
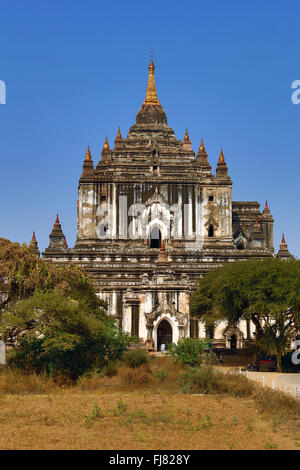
(279, 405)
(208, 380)
(135, 358)
(188, 351)
(60, 335)
(135, 376)
(16, 382)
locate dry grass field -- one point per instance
(151, 413)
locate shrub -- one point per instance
(206, 379)
(135, 376)
(16, 382)
(188, 351)
(161, 375)
(279, 405)
(135, 358)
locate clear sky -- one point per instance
(76, 70)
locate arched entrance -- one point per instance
(164, 334)
(155, 238)
(233, 342)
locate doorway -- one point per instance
(155, 238)
(164, 334)
(233, 342)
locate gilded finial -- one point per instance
(283, 240)
(186, 137)
(119, 136)
(266, 206)
(33, 237)
(221, 157)
(88, 156)
(105, 146)
(151, 95)
(57, 220)
(202, 148)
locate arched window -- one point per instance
(155, 238)
(211, 231)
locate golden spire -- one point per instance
(283, 240)
(221, 157)
(105, 146)
(88, 156)
(151, 95)
(186, 137)
(119, 136)
(202, 148)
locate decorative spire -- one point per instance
(221, 157)
(105, 146)
(283, 252)
(33, 246)
(88, 156)
(119, 142)
(266, 210)
(105, 154)
(57, 237)
(186, 136)
(202, 150)
(186, 144)
(88, 166)
(256, 227)
(222, 170)
(151, 95)
(119, 136)
(202, 158)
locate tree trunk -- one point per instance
(279, 361)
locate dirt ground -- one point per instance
(138, 420)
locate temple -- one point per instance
(152, 219)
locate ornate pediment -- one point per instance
(156, 198)
(239, 239)
(172, 312)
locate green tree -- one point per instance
(51, 319)
(267, 292)
(22, 272)
(52, 332)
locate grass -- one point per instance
(101, 412)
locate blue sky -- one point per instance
(76, 70)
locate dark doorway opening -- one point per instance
(211, 231)
(164, 334)
(233, 342)
(155, 238)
